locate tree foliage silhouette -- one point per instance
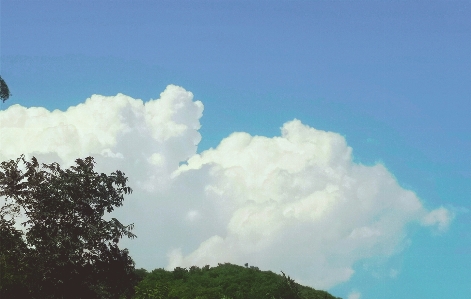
(4, 90)
(66, 249)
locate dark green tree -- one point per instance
(4, 91)
(226, 281)
(66, 249)
(13, 252)
(288, 288)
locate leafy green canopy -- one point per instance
(67, 249)
(224, 281)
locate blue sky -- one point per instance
(392, 77)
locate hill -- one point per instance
(224, 281)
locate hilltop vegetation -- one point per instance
(224, 281)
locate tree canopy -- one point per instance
(225, 281)
(66, 248)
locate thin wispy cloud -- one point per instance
(354, 295)
(296, 202)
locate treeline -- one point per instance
(226, 281)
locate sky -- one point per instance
(330, 140)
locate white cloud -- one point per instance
(296, 202)
(440, 218)
(354, 295)
(299, 202)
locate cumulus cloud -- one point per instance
(296, 202)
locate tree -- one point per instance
(288, 288)
(13, 252)
(4, 91)
(66, 249)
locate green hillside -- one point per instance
(224, 281)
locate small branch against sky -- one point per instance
(4, 90)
